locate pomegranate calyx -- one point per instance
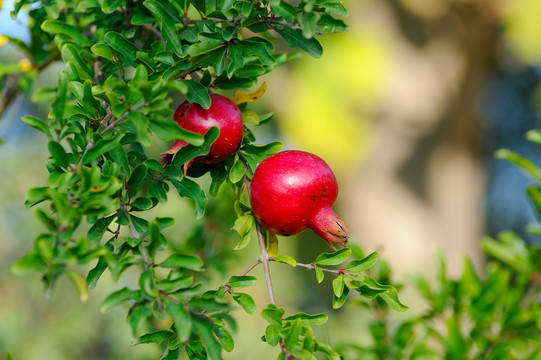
(169, 155)
(330, 228)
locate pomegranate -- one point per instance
(224, 114)
(294, 190)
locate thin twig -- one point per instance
(312, 267)
(89, 146)
(293, 26)
(114, 123)
(257, 262)
(264, 258)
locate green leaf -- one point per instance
(204, 329)
(246, 302)
(167, 25)
(103, 50)
(95, 273)
(225, 338)
(307, 319)
(295, 38)
(96, 231)
(261, 152)
(243, 225)
(334, 258)
(156, 337)
(58, 27)
(363, 264)
(338, 285)
(136, 179)
(284, 9)
(80, 284)
(520, 161)
(320, 275)
(182, 261)
(292, 337)
(109, 6)
(207, 42)
(336, 9)
(122, 45)
(141, 204)
(241, 281)
(197, 93)
(272, 335)
(70, 53)
(286, 259)
(190, 152)
(35, 196)
(58, 106)
(30, 262)
(43, 95)
(236, 173)
(137, 315)
(390, 295)
(510, 250)
(191, 189)
(36, 124)
(101, 147)
(182, 320)
(119, 156)
(327, 350)
(338, 302)
(58, 153)
(308, 22)
(534, 136)
(273, 315)
(118, 297)
(169, 130)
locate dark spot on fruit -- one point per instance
(282, 231)
(324, 193)
(263, 221)
(313, 198)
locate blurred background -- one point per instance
(407, 107)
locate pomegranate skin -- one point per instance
(295, 190)
(224, 114)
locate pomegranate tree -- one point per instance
(222, 113)
(294, 190)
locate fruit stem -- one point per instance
(264, 258)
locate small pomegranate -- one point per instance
(224, 114)
(294, 190)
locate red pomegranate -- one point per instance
(294, 190)
(224, 114)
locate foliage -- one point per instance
(123, 62)
(492, 315)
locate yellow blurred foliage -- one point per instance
(522, 21)
(328, 102)
(25, 65)
(3, 39)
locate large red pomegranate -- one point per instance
(224, 114)
(294, 190)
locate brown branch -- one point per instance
(14, 90)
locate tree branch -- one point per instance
(264, 258)
(312, 267)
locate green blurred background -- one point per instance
(407, 107)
